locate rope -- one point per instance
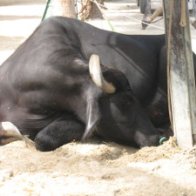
(168, 59)
(183, 13)
(109, 23)
(46, 10)
(162, 140)
(149, 24)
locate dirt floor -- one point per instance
(94, 168)
(97, 169)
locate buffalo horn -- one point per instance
(10, 133)
(97, 76)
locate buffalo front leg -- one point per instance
(58, 133)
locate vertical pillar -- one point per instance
(64, 8)
(181, 80)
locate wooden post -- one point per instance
(64, 8)
(181, 80)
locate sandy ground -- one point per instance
(94, 168)
(97, 169)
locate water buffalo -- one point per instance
(70, 80)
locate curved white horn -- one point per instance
(97, 76)
(11, 133)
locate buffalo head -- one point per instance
(119, 115)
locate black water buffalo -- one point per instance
(53, 88)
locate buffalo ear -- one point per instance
(93, 116)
